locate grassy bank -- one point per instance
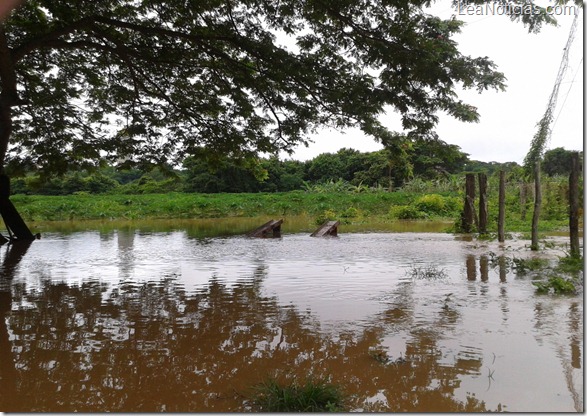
(344, 206)
(184, 205)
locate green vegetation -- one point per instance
(336, 200)
(561, 277)
(556, 284)
(343, 186)
(525, 266)
(183, 205)
(570, 264)
(312, 396)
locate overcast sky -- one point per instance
(530, 63)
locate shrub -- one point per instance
(434, 204)
(326, 215)
(406, 212)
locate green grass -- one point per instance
(187, 205)
(347, 207)
(311, 396)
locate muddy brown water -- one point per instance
(185, 317)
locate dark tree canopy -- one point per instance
(151, 81)
(558, 161)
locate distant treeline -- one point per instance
(420, 161)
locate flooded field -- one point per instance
(176, 319)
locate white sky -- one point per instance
(530, 63)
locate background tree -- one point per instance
(558, 161)
(435, 157)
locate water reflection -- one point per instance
(184, 325)
(153, 347)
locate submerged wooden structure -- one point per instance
(271, 228)
(329, 228)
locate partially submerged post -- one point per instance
(469, 215)
(329, 228)
(482, 203)
(574, 204)
(271, 228)
(537, 206)
(501, 213)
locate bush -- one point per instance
(406, 212)
(326, 215)
(435, 204)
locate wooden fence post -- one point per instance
(501, 214)
(537, 206)
(574, 204)
(469, 214)
(482, 203)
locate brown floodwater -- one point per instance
(190, 316)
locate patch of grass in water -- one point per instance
(556, 285)
(311, 396)
(570, 264)
(427, 273)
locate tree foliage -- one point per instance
(152, 81)
(558, 161)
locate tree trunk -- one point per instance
(574, 205)
(5, 131)
(12, 219)
(537, 206)
(482, 203)
(8, 98)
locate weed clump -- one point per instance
(427, 273)
(555, 285)
(312, 396)
(406, 212)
